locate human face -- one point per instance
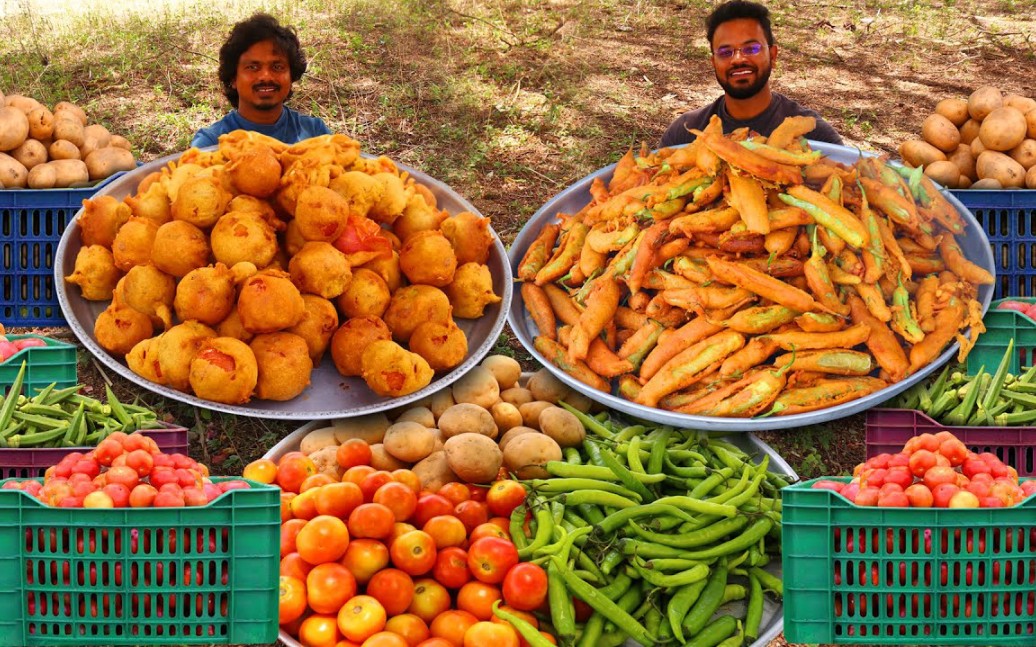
(263, 82)
(741, 76)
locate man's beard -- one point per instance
(266, 103)
(746, 92)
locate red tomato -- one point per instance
(142, 496)
(371, 520)
(489, 559)
(140, 460)
(471, 513)
(393, 588)
(451, 568)
(525, 586)
(329, 586)
(456, 492)
(867, 496)
(504, 496)
(823, 484)
(487, 529)
(921, 461)
(411, 628)
(477, 598)
(452, 625)
(414, 552)
(942, 493)
(395, 496)
(893, 499)
(364, 558)
(353, 452)
(938, 475)
(900, 475)
(919, 495)
(370, 483)
(431, 505)
(125, 475)
(954, 450)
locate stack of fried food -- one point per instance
(231, 272)
(742, 276)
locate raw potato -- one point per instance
(545, 386)
(318, 439)
(420, 415)
(528, 453)
(562, 426)
(984, 101)
(940, 132)
(506, 369)
(441, 401)
(119, 141)
(1000, 167)
(382, 460)
(969, 131)
(12, 173)
(31, 153)
(14, 128)
(70, 172)
(1020, 103)
(434, 472)
(70, 110)
(1030, 178)
(1024, 153)
(506, 416)
(41, 123)
(513, 433)
(370, 428)
(94, 136)
(409, 441)
(477, 387)
(987, 183)
(43, 176)
(1030, 122)
(944, 172)
(108, 160)
(21, 102)
(516, 395)
(531, 412)
(919, 153)
(473, 457)
(1002, 129)
(977, 147)
(954, 109)
(465, 417)
(68, 128)
(579, 402)
(62, 149)
(964, 160)
(326, 459)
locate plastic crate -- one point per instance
(29, 462)
(31, 224)
(1001, 327)
(906, 576)
(887, 430)
(54, 363)
(131, 576)
(1009, 221)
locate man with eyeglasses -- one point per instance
(258, 64)
(743, 54)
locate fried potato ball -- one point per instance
(101, 218)
(417, 216)
(319, 322)
(149, 290)
(243, 236)
(119, 328)
(412, 305)
(205, 295)
(256, 171)
(180, 247)
(351, 338)
(442, 344)
(284, 365)
(392, 371)
(293, 240)
(321, 214)
(366, 294)
(152, 203)
(231, 327)
(470, 237)
(387, 267)
(224, 370)
(176, 348)
(252, 204)
(269, 302)
(95, 273)
(427, 257)
(359, 189)
(319, 268)
(201, 201)
(143, 360)
(471, 291)
(133, 243)
(392, 199)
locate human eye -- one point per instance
(724, 52)
(752, 49)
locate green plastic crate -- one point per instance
(1001, 327)
(55, 362)
(906, 576)
(133, 576)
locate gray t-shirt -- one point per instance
(764, 123)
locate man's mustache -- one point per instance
(265, 87)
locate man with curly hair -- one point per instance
(743, 55)
(258, 64)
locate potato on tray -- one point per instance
(232, 272)
(744, 276)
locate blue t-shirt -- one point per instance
(289, 128)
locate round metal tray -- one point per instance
(773, 612)
(330, 395)
(975, 246)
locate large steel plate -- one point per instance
(974, 243)
(330, 395)
(773, 612)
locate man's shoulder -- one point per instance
(307, 123)
(785, 106)
(209, 135)
(697, 119)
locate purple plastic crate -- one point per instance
(33, 462)
(887, 430)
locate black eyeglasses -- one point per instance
(748, 50)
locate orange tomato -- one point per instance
(292, 470)
(364, 558)
(488, 530)
(398, 530)
(456, 492)
(372, 520)
(286, 498)
(357, 473)
(373, 481)
(323, 539)
(504, 496)
(407, 478)
(919, 495)
(263, 470)
(291, 602)
(353, 452)
(315, 481)
(412, 629)
(397, 497)
(484, 633)
(451, 567)
(361, 617)
(385, 639)
(435, 642)
(304, 504)
(319, 630)
(477, 598)
(471, 513)
(452, 625)
(446, 530)
(338, 499)
(295, 566)
(413, 552)
(289, 533)
(328, 586)
(430, 599)
(393, 588)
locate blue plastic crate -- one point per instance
(31, 224)
(1009, 221)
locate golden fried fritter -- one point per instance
(318, 323)
(321, 214)
(366, 294)
(351, 338)
(133, 243)
(269, 302)
(284, 365)
(201, 201)
(255, 171)
(318, 268)
(470, 236)
(119, 328)
(412, 305)
(206, 295)
(231, 327)
(243, 236)
(387, 267)
(471, 291)
(427, 257)
(149, 290)
(180, 247)
(100, 219)
(224, 370)
(442, 344)
(176, 348)
(417, 216)
(143, 360)
(153, 204)
(392, 371)
(95, 273)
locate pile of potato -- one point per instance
(42, 148)
(488, 419)
(987, 141)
